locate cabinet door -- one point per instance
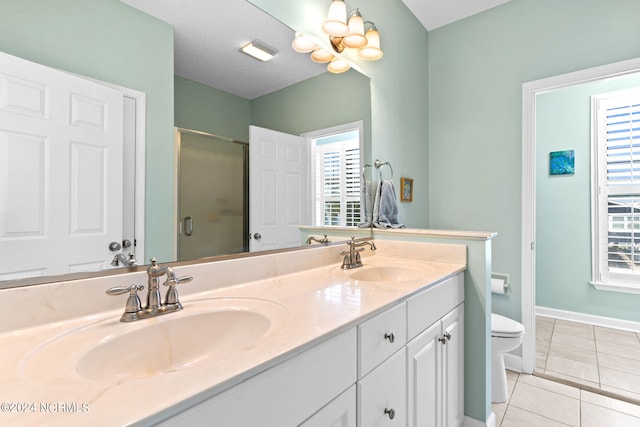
(284, 395)
(340, 412)
(424, 376)
(382, 394)
(453, 367)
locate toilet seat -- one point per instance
(503, 327)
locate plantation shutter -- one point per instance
(338, 184)
(618, 192)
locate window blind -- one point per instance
(338, 183)
(617, 191)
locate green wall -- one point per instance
(109, 41)
(563, 205)
(203, 108)
(320, 102)
(317, 103)
(476, 70)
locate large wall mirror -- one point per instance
(318, 101)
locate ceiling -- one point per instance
(438, 13)
(208, 38)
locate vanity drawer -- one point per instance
(380, 337)
(426, 308)
(382, 394)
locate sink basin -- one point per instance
(386, 274)
(384, 269)
(172, 345)
(204, 332)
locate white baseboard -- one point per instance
(472, 422)
(607, 322)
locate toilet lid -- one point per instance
(503, 326)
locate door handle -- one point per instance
(188, 226)
(257, 236)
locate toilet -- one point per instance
(506, 335)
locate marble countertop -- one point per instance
(314, 304)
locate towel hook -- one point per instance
(378, 164)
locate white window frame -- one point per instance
(603, 277)
(317, 218)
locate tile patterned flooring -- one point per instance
(587, 360)
(597, 357)
(538, 402)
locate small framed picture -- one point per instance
(406, 189)
(562, 162)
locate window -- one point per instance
(616, 190)
(336, 161)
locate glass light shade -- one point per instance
(336, 23)
(372, 51)
(355, 38)
(321, 55)
(338, 65)
(302, 44)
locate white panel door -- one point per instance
(60, 171)
(453, 367)
(278, 189)
(424, 375)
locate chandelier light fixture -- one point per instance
(351, 33)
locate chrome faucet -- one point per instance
(322, 241)
(352, 257)
(154, 307)
(121, 259)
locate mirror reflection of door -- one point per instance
(212, 182)
(61, 163)
(279, 189)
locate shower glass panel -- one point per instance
(212, 194)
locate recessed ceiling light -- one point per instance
(259, 50)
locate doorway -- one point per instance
(531, 90)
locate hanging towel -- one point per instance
(385, 207)
(365, 204)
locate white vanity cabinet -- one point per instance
(402, 367)
(435, 356)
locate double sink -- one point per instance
(204, 333)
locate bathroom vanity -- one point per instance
(278, 339)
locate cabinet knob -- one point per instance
(445, 338)
(391, 337)
(391, 413)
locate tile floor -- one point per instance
(597, 357)
(538, 402)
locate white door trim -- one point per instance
(140, 100)
(529, 92)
